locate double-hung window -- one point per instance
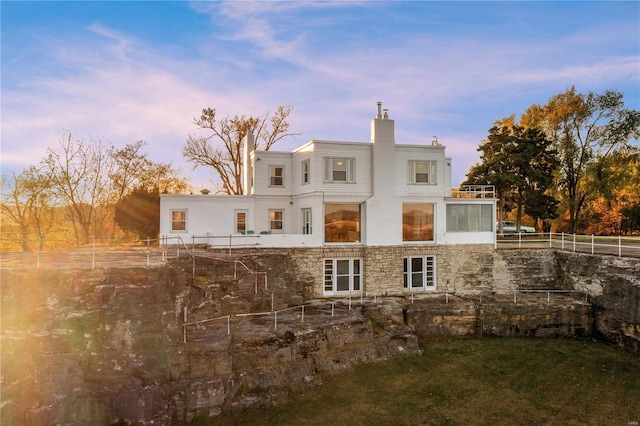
(421, 172)
(339, 170)
(306, 221)
(178, 220)
(276, 176)
(306, 172)
(342, 275)
(420, 273)
(276, 218)
(241, 221)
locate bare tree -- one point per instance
(80, 178)
(25, 200)
(226, 159)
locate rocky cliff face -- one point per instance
(106, 345)
(613, 284)
(167, 344)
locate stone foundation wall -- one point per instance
(460, 269)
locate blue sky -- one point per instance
(125, 71)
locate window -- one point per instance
(306, 221)
(342, 223)
(276, 176)
(469, 217)
(275, 220)
(241, 222)
(417, 222)
(306, 172)
(178, 220)
(420, 273)
(339, 170)
(342, 275)
(421, 172)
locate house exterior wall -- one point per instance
(380, 182)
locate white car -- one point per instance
(510, 228)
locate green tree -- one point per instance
(520, 163)
(139, 212)
(222, 148)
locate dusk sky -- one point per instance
(125, 71)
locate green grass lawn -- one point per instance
(473, 381)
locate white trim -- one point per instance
(330, 277)
(185, 220)
(427, 274)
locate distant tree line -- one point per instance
(82, 191)
(572, 164)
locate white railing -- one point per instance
(327, 308)
(611, 245)
(474, 191)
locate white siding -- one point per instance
(361, 152)
(404, 154)
(263, 161)
(212, 214)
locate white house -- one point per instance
(367, 216)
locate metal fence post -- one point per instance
(592, 244)
(619, 246)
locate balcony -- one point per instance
(474, 191)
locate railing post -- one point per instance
(574, 242)
(550, 240)
(515, 292)
(275, 320)
(229, 244)
(93, 255)
(619, 246)
(592, 244)
(519, 239)
(562, 240)
(148, 253)
(184, 327)
(228, 325)
(302, 316)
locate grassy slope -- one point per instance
(486, 381)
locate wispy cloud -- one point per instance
(107, 82)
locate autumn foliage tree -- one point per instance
(587, 130)
(221, 149)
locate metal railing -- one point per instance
(592, 244)
(327, 308)
(474, 191)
